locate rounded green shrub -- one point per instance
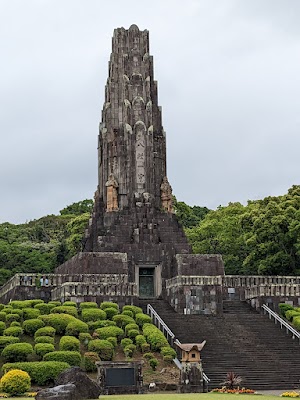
(70, 304)
(12, 317)
(126, 342)
(74, 328)
(129, 350)
(290, 314)
(15, 323)
(122, 320)
(128, 312)
(133, 333)
(139, 340)
(2, 327)
(142, 319)
(93, 314)
(44, 339)
(16, 352)
(2, 316)
(145, 347)
(2, 306)
(46, 331)
(168, 359)
(84, 338)
(111, 312)
(30, 326)
(15, 382)
(103, 348)
(168, 351)
(31, 313)
(296, 323)
(134, 309)
(109, 304)
(100, 324)
(109, 331)
(69, 343)
(113, 340)
(89, 360)
(55, 303)
(44, 308)
(153, 362)
(154, 337)
(58, 321)
(148, 356)
(41, 372)
(43, 348)
(16, 331)
(65, 310)
(5, 340)
(71, 357)
(283, 307)
(131, 326)
(88, 304)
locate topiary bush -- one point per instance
(41, 372)
(89, 360)
(148, 356)
(69, 343)
(58, 321)
(16, 352)
(5, 340)
(70, 357)
(2, 327)
(103, 348)
(110, 331)
(296, 323)
(125, 342)
(15, 323)
(122, 320)
(133, 333)
(84, 338)
(133, 309)
(153, 362)
(74, 328)
(131, 326)
(15, 382)
(70, 304)
(142, 319)
(113, 340)
(2, 316)
(56, 303)
(43, 348)
(12, 317)
(145, 347)
(16, 331)
(88, 304)
(290, 314)
(31, 313)
(65, 310)
(129, 350)
(30, 326)
(100, 324)
(44, 339)
(154, 337)
(168, 351)
(139, 340)
(111, 312)
(93, 314)
(109, 304)
(128, 312)
(2, 306)
(15, 311)
(46, 331)
(283, 307)
(44, 308)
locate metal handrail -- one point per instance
(282, 322)
(151, 311)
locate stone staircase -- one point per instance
(242, 341)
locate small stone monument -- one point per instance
(191, 375)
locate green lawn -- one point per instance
(189, 396)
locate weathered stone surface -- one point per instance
(61, 392)
(86, 388)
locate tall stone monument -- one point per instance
(133, 230)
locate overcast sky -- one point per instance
(228, 76)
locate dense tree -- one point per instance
(189, 216)
(81, 207)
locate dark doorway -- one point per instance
(146, 282)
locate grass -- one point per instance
(188, 396)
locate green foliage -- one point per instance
(140, 340)
(65, 310)
(84, 337)
(129, 350)
(2, 327)
(69, 343)
(16, 331)
(283, 307)
(15, 382)
(30, 326)
(296, 323)
(76, 228)
(128, 312)
(122, 320)
(31, 313)
(74, 328)
(81, 207)
(134, 309)
(133, 333)
(103, 348)
(109, 331)
(58, 321)
(44, 308)
(113, 340)
(189, 216)
(12, 317)
(126, 342)
(168, 351)
(154, 337)
(148, 356)
(89, 360)
(70, 304)
(291, 314)
(131, 326)
(70, 357)
(111, 312)
(153, 362)
(142, 319)
(145, 347)
(15, 323)
(5, 340)
(2, 316)
(17, 352)
(93, 314)
(100, 324)
(88, 304)
(55, 303)
(46, 331)
(41, 372)
(44, 339)
(109, 304)
(43, 348)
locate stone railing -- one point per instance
(284, 290)
(258, 280)
(191, 280)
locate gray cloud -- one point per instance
(228, 75)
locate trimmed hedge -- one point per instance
(41, 372)
(109, 331)
(100, 324)
(111, 312)
(15, 323)
(16, 331)
(17, 352)
(65, 310)
(30, 326)
(55, 303)
(103, 348)
(168, 351)
(74, 328)
(31, 313)
(88, 304)
(44, 339)
(44, 308)
(2, 327)
(93, 314)
(89, 359)
(125, 342)
(12, 317)
(15, 382)
(2, 316)
(283, 307)
(131, 326)
(43, 348)
(70, 304)
(71, 357)
(84, 337)
(296, 323)
(69, 343)
(122, 320)
(113, 340)
(134, 309)
(109, 304)
(290, 314)
(154, 337)
(142, 319)
(140, 340)
(46, 331)
(5, 340)
(58, 321)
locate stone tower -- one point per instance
(133, 231)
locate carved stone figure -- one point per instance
(166, 195)
(112, 194)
